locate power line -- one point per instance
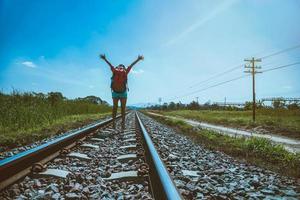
(217, 75)
(196, 91)
(241, 65)
(234, 79)
(281, 51)
(280, 67)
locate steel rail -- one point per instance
(162, 184)
(17, 166)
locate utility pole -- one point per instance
(252, 69)
(225, 102)
(197, 98)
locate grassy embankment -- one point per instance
(27, 117)
(260, 152)
(277, 121)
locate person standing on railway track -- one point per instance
(119, 87)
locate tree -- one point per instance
(93, 99)
(278, 104)
(248, 105)
(293, 106)
(165, 106)
(55, 97)
(193, 105)
(172, 106)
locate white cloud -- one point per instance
(224, 6)
(29, 64)
(139, 71)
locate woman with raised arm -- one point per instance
(119, 87)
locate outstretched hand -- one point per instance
(140, 57)
(102, 56)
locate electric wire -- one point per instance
(281, 51)
(241, 65)
(234, 79)
(280, 67)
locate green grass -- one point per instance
(281, 121)
(257, 151)
(64, 124)
(27, 117)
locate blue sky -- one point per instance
(53, 45)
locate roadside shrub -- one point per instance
(21, 111)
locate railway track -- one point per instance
(200, 173)
(96, 162)
(146, 161)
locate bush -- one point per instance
(21, 111)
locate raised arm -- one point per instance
(140, 57)
(102, 56)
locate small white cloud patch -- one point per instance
(139, 71)
(29, 64)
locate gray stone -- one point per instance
(267, 191)
(41, 192)
(128, 133)
(72, 195)
(86, 145)
(52, 187)
(124, 158)
(56, 196)
(130, 140)
(124, 176)
(190, 186)
(172, 157)
(86, 190)
(80, 156)
(58, 173)
(179, 183)
(222, 190)
(129, 147)
(130, 136)
(77, 188)
(37, 183)
(103, 135)
(289, 192)
(189, 173)
(97, 139)
(219, 171)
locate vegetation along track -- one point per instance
(97, 162)
(200, 173)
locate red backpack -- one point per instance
(119, 80)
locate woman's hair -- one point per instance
(121, 65)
